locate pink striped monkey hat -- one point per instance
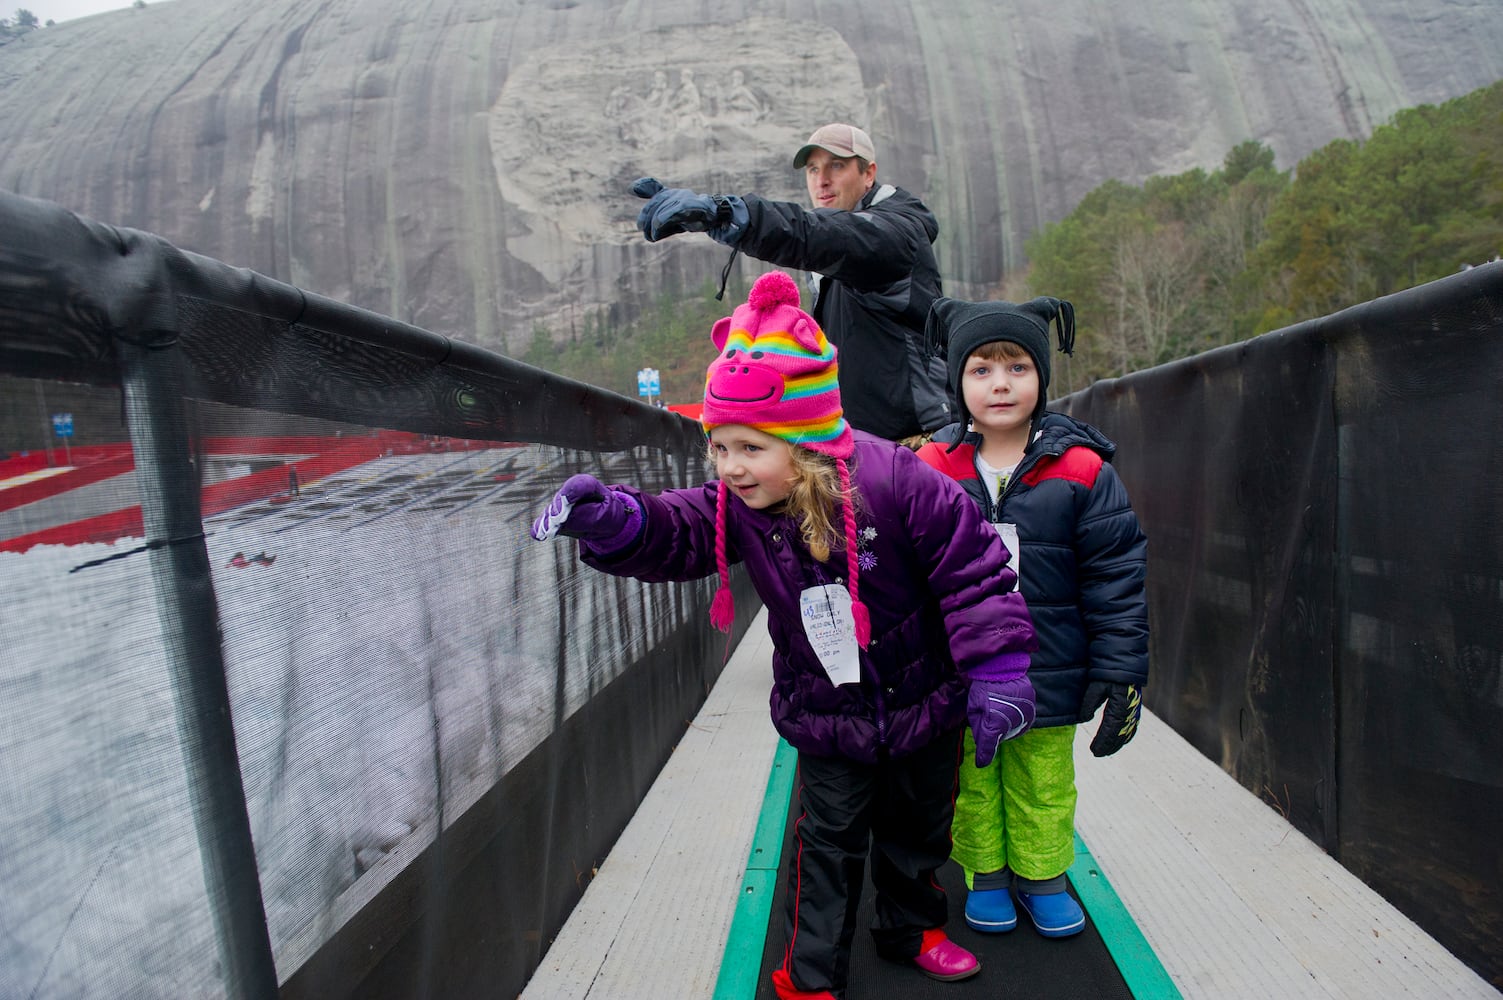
(777, 373)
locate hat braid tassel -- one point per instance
(723, 606)
(859, 612)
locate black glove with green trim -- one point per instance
(1119, 723)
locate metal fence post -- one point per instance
(189, 613)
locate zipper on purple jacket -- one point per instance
(879, 701)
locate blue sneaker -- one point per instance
(990, 911)
(1054, 914)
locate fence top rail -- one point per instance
(1466, 304)
(72, 289)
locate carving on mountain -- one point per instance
(725, 112)
(464, 165)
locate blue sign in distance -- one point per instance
(62, 424)
(648, 382)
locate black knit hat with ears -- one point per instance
(955, 329)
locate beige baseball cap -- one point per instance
(841, 140)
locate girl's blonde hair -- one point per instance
(814, 495)
(813, 498)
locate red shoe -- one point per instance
(783, 986)
(943, 959)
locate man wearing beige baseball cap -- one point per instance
(869, 248)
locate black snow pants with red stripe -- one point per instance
(900, 809)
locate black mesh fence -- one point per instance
(290, 703)
(1326, 583)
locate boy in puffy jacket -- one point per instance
(1045, 482)
(893, 616)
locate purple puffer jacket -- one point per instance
(933, 575)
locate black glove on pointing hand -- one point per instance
(670, 211)
(1119, 723)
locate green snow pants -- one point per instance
(1018, 812)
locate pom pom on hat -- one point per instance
(773, 289)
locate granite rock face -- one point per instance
(464, 165)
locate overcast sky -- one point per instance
(61, 10)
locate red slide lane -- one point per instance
(331, 455)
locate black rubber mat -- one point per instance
(1020, 963)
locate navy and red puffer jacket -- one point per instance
(1084, 558)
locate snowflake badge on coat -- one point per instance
(864, 558)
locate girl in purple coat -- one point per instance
(894, 621)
